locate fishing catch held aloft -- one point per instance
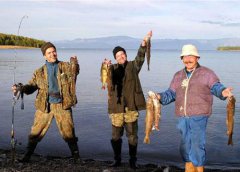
(148, 53)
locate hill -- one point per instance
(133, 43)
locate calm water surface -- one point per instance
(92, 123)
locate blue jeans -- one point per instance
(192, 146)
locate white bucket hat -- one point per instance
(188, 50)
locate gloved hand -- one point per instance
(16, 89)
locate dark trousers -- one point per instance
(131, 132)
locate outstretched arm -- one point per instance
(29, 88)
(140, 58)
(220, 91)
(165, 97)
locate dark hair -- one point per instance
(46, 46)
(117, 49)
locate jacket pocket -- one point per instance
(67, 95)
(139, 100)
(41, 100)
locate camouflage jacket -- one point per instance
(67, 74)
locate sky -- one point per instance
(54, 20)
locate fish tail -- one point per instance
(230, 142)
(146, 140)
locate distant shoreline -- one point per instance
(14, 47)
(228, 48)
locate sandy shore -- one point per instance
(14, 47)
(43, 164)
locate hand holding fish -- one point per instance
(74, 60)
(107, 62)
(227, 92)
(153, 95)
(146, 38)
(147, 42)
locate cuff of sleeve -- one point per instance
(220, 94)
(161, 96)
(142, 48)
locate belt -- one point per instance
(56, 95)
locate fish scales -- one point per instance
(153, 115)
(103, 74)
(230, 118)
(157, 113)
(148, 53)
(148, 120)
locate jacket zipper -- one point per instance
(186, 91)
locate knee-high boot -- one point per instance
(73, 146)
(30, 149)
(117, 149)
(133, 156)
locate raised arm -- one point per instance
(140, 58)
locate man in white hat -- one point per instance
(192, 89)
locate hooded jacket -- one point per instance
(126, 90)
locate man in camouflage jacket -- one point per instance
(55, 82)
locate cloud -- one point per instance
(62, 19)
(225, 24)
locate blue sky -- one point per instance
(175, 19)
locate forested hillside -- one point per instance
(7, 39)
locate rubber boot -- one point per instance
(189, 167)
(117, 149)
(30, 149)
(200, 169)
(133, 158)
(73, 146)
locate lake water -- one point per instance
(92, 125)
